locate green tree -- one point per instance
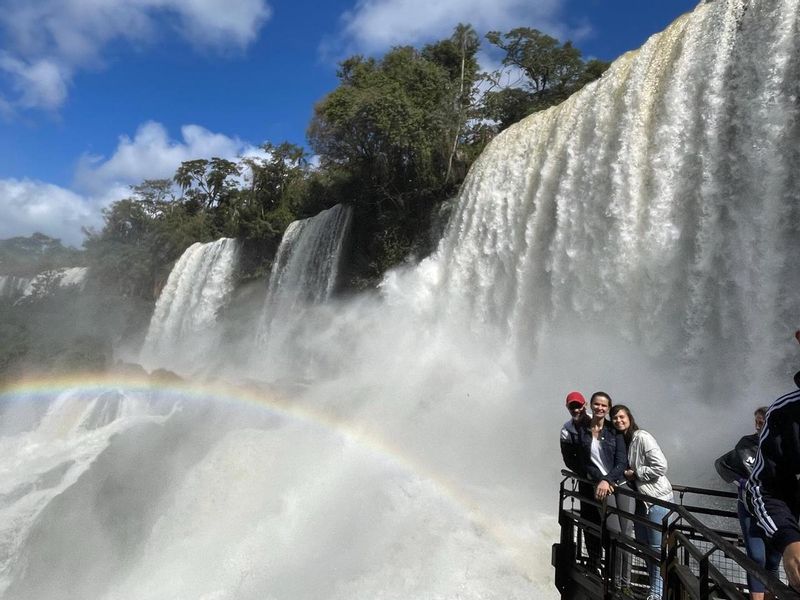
(156, 196)
(142, 236)
(275, 194)
(386, 123)
(209, 182)
(26, 256)
(272, 177)
(550, 73)
(119, 255)
(457, 55)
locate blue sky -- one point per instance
(96, 95)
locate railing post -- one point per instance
(672, 588)
(564, 553)
(702, 566)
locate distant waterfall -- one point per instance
(661, 202)
(304, 273)
(44, 284)
(183, 329)
(12, 287)
(307, 262)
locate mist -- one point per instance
(638, 239)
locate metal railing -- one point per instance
(700, 556)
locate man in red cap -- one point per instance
(571, 450)
(570, 436)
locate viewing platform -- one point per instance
(702, 554)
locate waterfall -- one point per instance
(184, 327)
(307, 262)
(49, 282)
(45, 463)
(640, 238)
(304, 275)
(660, 203)
(12, 287)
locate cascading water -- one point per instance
(44, 465)
(661, 202)
(646, 226)
(12, 287)
(303, 276)
(307, 262)
(48, 283)
(184, 327)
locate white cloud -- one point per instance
(41, 84)
(44, 43)
(151, 154)
(220, 22)
(29, 206)
(375, 25)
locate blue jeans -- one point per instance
(758, 550)
(651, 537)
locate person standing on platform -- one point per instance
(773, 490)
(648, 473)
(572, 453)
(735, 467)
(593, 450)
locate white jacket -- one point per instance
(650, 466)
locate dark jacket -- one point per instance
(773, 491)
(576, 450)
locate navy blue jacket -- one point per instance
(773, 491)
(612, 452)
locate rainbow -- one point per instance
(44, 388)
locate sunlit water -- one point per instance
(641, 239)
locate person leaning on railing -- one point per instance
(592, 449)
(773, 491)
(648, 474)
(572, 453)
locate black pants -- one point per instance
(592, 514)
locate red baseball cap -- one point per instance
(576, 398)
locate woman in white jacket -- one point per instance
(647, 472)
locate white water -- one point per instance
(49, 282)
(12, 287)
(307, 262)
(184, 327)
(41, 466)
(641, 239)
(304, 275)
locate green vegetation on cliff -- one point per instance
(394, 140)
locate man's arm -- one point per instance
(569, 452)
(773, 481)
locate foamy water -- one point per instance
(637, 239)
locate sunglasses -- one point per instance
(575, 406)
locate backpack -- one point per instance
(738, 463)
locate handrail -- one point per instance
(685, 489)
(683, 535)
(774, 585)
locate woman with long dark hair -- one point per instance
(647, 471)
